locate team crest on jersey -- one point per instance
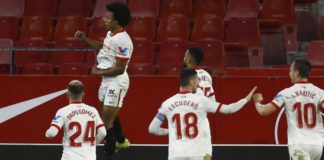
(122, 51)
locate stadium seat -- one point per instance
(169, 69)
(75, 8)
(100, 7)
(9, 27)
(214, 54)
(207, 28)
(244, 57)
(315, 53)
(141, 69)
(5, 54)
(37, 28)
(73, 69)
(173, 28)
(144, 52)
(321, 28)
(278, 12)
(67, 26)
(243, 32)
(305, 1)
(14, 8)
(176, 8)
(144, 8)
(61, 57)
(172, 52)
(308, 26)
(38, 68)
(142, 28)
(235, 8)
(41, 8)
(209, 7)
(98, 29)
(290, 38)
(25, 57)
(4, 68)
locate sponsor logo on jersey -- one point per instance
(122, 51)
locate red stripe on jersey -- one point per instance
(301, 82)
(184, 92)
(99, 126)
(122, 59)
(76, 102)
(56, 126)
(118, 31)
(219, 107)
(275, 105)
(212, 94)
(119, 97)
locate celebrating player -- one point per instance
(302, 103)
(83, 127)
(186, 113)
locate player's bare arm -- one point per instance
(92, 43)
(119, 69)
(263, 109)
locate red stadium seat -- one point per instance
(9, 27)
(169, 69)
(75, 8)
(98, 29)
(173, 28)
(62, 57)
(307, 25)
(73, 69)
(100, 7)
(38, 68)
(214, 54)
(172, 52)
(67, 26)
(37, 28)
(243, 57)
(290, 38)
(144, 52)
(243, 32)
(141, 69)
(209, 7)
(14, 8)
(5, 54)
(176, 8)
(142, 28)
(144, 8)
(235, 8)
(305, 1)
(321, 28)
(207, 28)
(25, 57)
(4, 68)
(41, 8)
(315, 52)
(278, 11)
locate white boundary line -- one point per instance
(151, 145)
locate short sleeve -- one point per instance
(123, 50)
(58, 120)
(278, 101)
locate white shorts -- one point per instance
(112, 94)
(187, 158)
(305, 152)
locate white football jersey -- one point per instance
(185, 113)
(205, 85)
(116, 46)
(302, 104)
(80, 123)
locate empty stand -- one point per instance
(5, 54)
(62, 57)
(278, 11)
(235, 8)
(14, 8)
(173, 28)
(167, 69)
(4, 68)
(9, 27)
(144, 8)
(321, 26)
(315, 52)
(98, 29)
(244, 57)
(308, 25)
(37, 28)
(41, 8)
(209, 7)
(67, 26)
(176, 8)
(144, 52)
(214, 54)
(172, 52)
(73, 69)
(38, 68)
(141, 69)
(142, 28)
(100, 7)
(75, 8)
(242, 71)
(290, 38)
(207, 28)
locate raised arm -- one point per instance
(92, 43)
(263, 109)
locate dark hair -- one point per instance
(120, 12)
(186, 75)
(75, 88)
(303, 67)
(197, 54)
